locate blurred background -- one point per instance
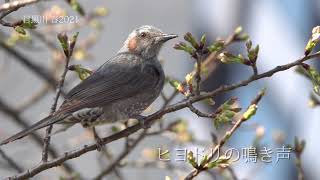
(281, 28)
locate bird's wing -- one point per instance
(112, 82)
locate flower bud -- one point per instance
(188, 37)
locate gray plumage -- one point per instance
(122, 88)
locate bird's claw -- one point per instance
(99, 144)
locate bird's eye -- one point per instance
(143, 34)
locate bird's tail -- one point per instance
(41, 124)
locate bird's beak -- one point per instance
(165, 37)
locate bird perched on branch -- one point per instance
(121, 89)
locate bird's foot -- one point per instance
(98, 140)
(142, 121)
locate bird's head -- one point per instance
(146, 41)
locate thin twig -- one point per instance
(53, 109)
(255, 69)
(198, 74)
(199, 113)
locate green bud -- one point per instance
(225, 112)
(20, 30)
(217, 46)
(313, 101)
(309, 47)
(224, 119)
(253, 54)
(249, 45)
(174, 83)
(250, 112)
(63, 39)
(314, 76)
(302, 145)
(212, 164)
(192, 160)
(204, 160)
(96, 24)
(243, 37)
(203, 40)
(188, 37)
(240, 35)
(183, 46)
(257, 49)
(315, 38)
(115, 129)
(180, 46)
(82, 73)
(101, 11)
(177, 85)
(228, 58)
(238, 30)
(316, 89)
(220, 161)
(29, 24)
(72, 42)
(229, 114)
(299, 145)
(75, 5)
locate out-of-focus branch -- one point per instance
(11, 162)
(109, 156)
(35, 97)
(299, 146)
(149, 120)
(38, 70)
(199, 113)
(121, 156)
(15, 4)
(232, 173)
(6, 109)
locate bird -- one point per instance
(120, 89)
